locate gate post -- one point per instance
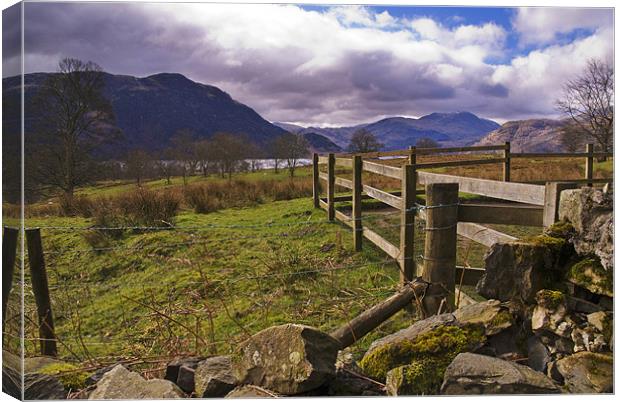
(407, 224)
(440, 245)
(357, 203)
(315, 180)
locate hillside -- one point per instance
(320, 143)
(150, 110)
(449, 129)
(534, 135)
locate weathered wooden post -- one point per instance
(589, 163)
(412, 155)
(38, 276)
(440, 245)
(331, 184)
(357, 203)
(9, 252)
(407, 224)
(315, 181)
(507, 161)
(552, 200)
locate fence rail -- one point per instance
(524, 204)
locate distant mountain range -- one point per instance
(534, 135)
(448, 129)
(150, 110)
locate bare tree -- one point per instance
(275, 151)
(138, 165)
(73, 119)
(204, 155)
(184, 150)
(165, 165)
(426, 142)
(230, 151)
(572, 138)
(254, 153)
(363, 141)
(588, 101)
(292, 147)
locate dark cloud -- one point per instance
(319, 75)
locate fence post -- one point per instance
(38, 276)
(9, 252)
(331, 183)
(589, 163)
(440, 245)
(507, 161)
(407, 224)
(315, 180)
(357, 203)
(552, 201)
(412, 155)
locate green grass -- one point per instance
(257, 274)
(115, 187)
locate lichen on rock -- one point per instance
(591, 275)
(69, 375)
(435, 349)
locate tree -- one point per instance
(426, 142)
(363, 141)
(74, 118)
(572, 138)
(164, 165)
(184, 150)
(276, 153)
(230, 150)
(292, 147)
(205, 155)
(138, 164)
(588, 101)
(254, 153)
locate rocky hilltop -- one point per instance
(534, 135)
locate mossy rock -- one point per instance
(562, 229)
(422, 377)
(590, 274)
(71, 376)
(437, 348)
(550, 299)
(552, 242)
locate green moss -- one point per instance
(550, 299)
(501, 318)
(590, 274)
(554, 243)
(422, 377)
(436, 348)
(563, 229)
(72, 377)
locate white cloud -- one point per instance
(341, 66)
(542, 25)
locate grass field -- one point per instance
(202, 291)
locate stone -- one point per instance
(538, 356)
(214, 377)
(516, 271)
(492, 314)
(412, 332)
(600, 320)
(120, 383)
(419, 378)
(288, 359)
(551, 314)
(251, 391)
(43, 386)
(37, 386)
(587, 372)
(473, 374)
(590, 211)
(185, 379)
(98, 375)
(347, 383)
(172, 368)
(591, 275)
(428, 355)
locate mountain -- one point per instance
(448, 129)
(321, 144)
(291, 128)
(150, 110)
(534, 135)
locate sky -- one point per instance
(331, 65)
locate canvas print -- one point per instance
(228, 200)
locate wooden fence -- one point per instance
(525, 204)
